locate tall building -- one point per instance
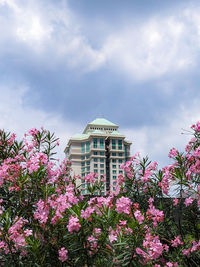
(101, 149)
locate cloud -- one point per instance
(156, 140)
(163, 44)
(17, 117)
(159, 46)
(47, 30)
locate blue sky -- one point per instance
(136, 63)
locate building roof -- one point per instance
(116, 133)
(97, 132)
(80, 136)
(102, 121)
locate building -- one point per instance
(101, 149)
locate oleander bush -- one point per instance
(152, 219)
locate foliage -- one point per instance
(45, 221)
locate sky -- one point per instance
(136, 63)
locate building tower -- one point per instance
(99, 149)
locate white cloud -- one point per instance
(161, 45)
(17, 117)
(50, 30)
(156, 140)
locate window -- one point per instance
(88, 169)
(119, 167)
(114, 171)
(120, 171)
(101, 165)
(101, 143)
(102, 153)
(87, 162)
(113, 144)
(82, 191)
(82, 181)
(101, 160)
(114, 166)
(82, 169)
(95, 153)
(120, 154)
(95, 142)
(114, 177)
(83, 147)
(114, 160)
(88, 146)
(120, 144)
(114, 183)
(102, 171)
(102, 188)
(95, 165)
(114, 189)
(120, 161)
(88, 156)
(95, 170)
(82, 157)
(82, 163)
(83, 186)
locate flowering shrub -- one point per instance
(45, 221)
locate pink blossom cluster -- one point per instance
(176, 242)
(154, 214)
(35, 161)
(195, 247)
(16, 233)
(73, 224)
(91, 178)
(153, 247)
(123, 205)
(139, 217)
(173, 153)
(42, 211)
(196, 126)
(63, 254)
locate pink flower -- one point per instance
(120, 179)
(91, 178)
(87, 212)
(171, 264)
(123, 205)
(155, 214)
(33, 132)
(188, 201)
(73, 224)
(28, 232)
(62, 254)
(42, 211)
(97, 230)
(173, 153)
(186, 252)
(139, 216)
(123, 223)
(175, 201)
(112, 236)
(176, 242)
(153, 246)
(195, 246)
(196, 126)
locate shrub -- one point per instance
(45, 221)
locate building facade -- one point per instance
(100, 149)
